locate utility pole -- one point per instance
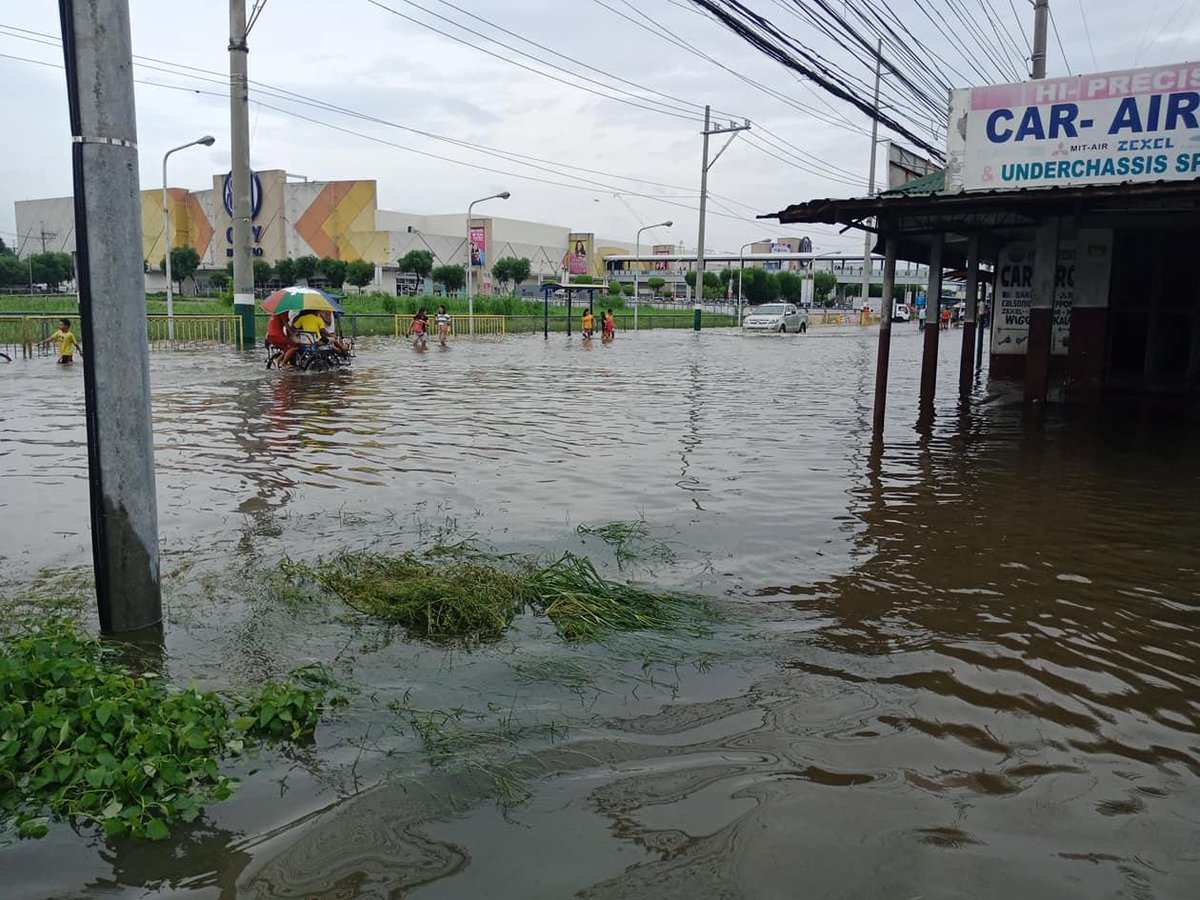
(884, 309)
(732, 130)
(98, 54)
(1041, 20)
(47, 235)
(239, 137)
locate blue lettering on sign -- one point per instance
(1182, 107)
(1061, 121)
(256, 194)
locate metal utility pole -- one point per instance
(866, 274)
(503, 195)
(1041, 21)
(732, 130)
(98, 54)
(239, 139)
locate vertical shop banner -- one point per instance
(478, 245)
(1014, 291)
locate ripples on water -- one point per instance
(964, 668)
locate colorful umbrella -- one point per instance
(298, 298)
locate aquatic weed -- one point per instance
(447, 599)
(629, 541)
(85, 739)
(584, 606)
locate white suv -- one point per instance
(779, 317)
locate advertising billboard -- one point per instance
(904, 166)
(478, 245)
(579, 254)
(1139, 125)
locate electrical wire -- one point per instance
(1088, 31)
(1058, 38)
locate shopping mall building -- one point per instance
(340, 219)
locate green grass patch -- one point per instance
(87, 740)
(459, 595)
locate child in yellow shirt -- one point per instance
(589, 324)
(67, 344)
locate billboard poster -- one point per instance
(1014, 290)
(579, 254)
(478, 245)
(663, 250)
(1139, 125)
(904, 165)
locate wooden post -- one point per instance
(1041, 312)
(933, 308)
(885, 332)
(966, 364)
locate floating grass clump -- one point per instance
(584, 606)
(629, 541)
(440, 599)
(472, 596)
(86, 740)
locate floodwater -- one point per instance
(965, 667)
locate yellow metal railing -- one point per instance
(28, 332)
(193, 330)
(487, 326)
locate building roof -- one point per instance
(997, 216)
(933, 183)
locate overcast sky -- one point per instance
(356, 55)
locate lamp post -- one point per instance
(741, 273)
(503, 195)
(208, 140)
(637, 263)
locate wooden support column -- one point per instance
(1041, 312)
(885, 331)
(966, 364)
(933, 308)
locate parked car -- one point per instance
(779, 317)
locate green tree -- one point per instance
(791, 286)
(418, 262)
(614, 287)
(712, 284)
(6, 250)
(13, 271)
(184, 263)
(306, 267)
(656, 284)
(333, 271)
(262, 271)
(759, 285)
(52, 268)
(360, 273)
(285, 271)
(627, 289)
(582, 279)
(452, 278)
(823, 283)
(219, 280)
(512, 269)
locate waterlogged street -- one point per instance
(964, 667)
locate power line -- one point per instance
(1058, 38)
(1086, 30)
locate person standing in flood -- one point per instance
(418, 327)
(589, 324)
(444, 323)
(608, 327)
(67, 343)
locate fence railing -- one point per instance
(26, 332)
(485, 326)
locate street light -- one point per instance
(208, 140)
(637, 264)
(503, 195)
(741, 272)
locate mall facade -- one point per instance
(340, 219)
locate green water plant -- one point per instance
(438, 598)
(471, 596)
(629, 541)
(84, 738)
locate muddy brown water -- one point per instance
(963, 668)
